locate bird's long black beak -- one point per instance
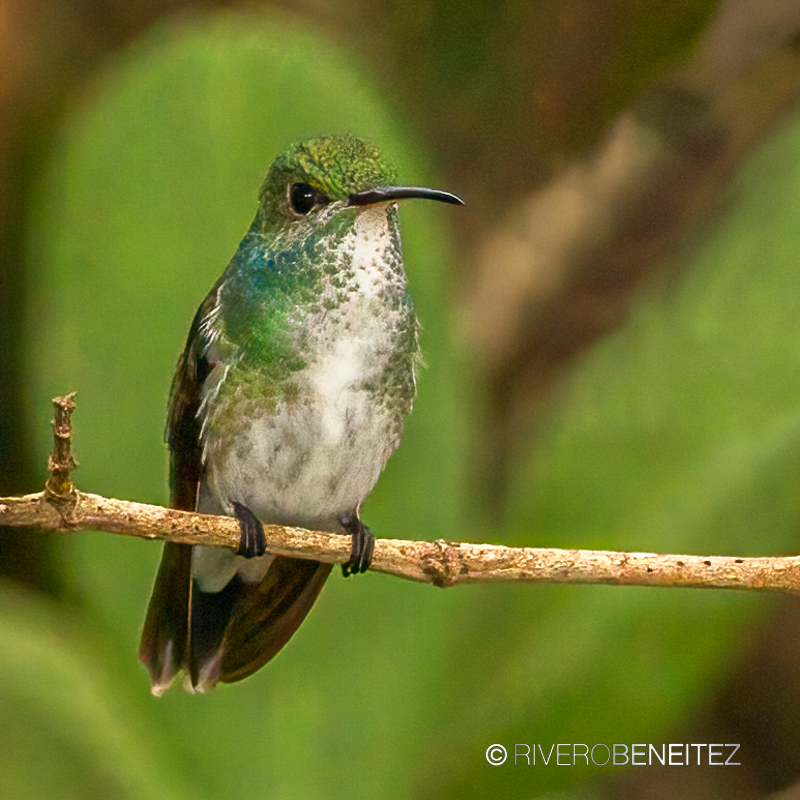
(386, 194)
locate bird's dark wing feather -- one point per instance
(183, 423)
(165, 637)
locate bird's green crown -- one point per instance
(334, 167)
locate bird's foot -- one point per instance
(362, 548)
(252, 541)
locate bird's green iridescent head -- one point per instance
(314, 172)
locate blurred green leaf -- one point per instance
(680, 433)
(67, 732)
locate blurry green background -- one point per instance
(612, 339)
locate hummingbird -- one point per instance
(292, 392)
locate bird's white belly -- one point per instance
(306, 466)
(310, 460)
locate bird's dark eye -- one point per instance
(304, 197)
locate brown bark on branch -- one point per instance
(62, 508)
(441, 563)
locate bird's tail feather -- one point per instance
(226, 635)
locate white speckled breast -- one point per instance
(315, 456)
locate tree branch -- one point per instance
(62, 508)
